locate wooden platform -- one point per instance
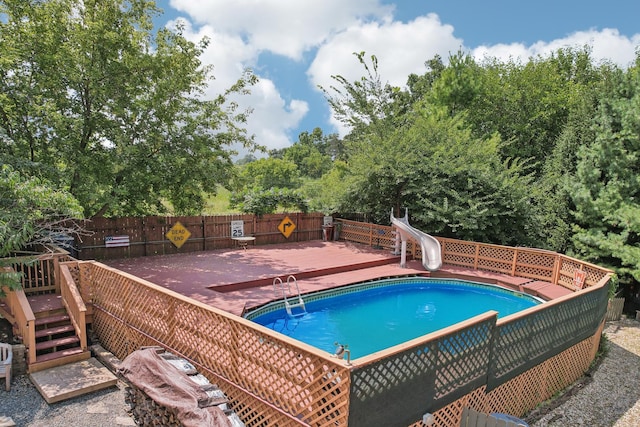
(72, 380)
(236, 280)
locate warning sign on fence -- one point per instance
(286, 227)
(178, 235)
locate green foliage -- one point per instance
(260, 202)
(267, 173)
(32, 211)
(327, 194)
(309, 154)
(368, 106)
(263, 185)
(112, 110)
(607, 186)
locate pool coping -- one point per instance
(279, 304)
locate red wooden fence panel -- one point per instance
(148, 235)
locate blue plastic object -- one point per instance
(511, 418)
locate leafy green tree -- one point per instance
(32, 212)
(427, 158)
(454, 184)
(552, 191)
(327, 194)
(112, 110)
(260, 202)
(268, 173)
(310, 154)
(607, 185)
(458, 85)
(263, 185)
(367, 106)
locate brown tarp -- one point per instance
(171, 388)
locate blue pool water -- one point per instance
(375, 316)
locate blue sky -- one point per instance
(295, 45)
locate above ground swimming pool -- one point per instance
(377, 315)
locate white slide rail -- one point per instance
(430, 246)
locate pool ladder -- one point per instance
(290, 301)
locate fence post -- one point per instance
(475, 258)
(204, 236)
(556, 269)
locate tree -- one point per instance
(263, 185)
(260, 202)
(406, 151)
(309, 154)
(366, 106)
(267, 173)
(327, 194)
(32, 212)
(111, 110)
(607, 185)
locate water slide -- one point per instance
(431, 252)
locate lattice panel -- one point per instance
(524, 342)
(568, 267)
(463, 358)
(535, 265)
(432, 374)
(495, 258)
(393, 389)
(458, 252)
(567, 270)
(131, 314)
(524, 392)
(348, 233)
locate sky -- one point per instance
(295, 46)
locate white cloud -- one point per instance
(606, 45)
(285, 27)
(240, 30)
(272, 117)
(401, 49)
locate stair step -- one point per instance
(44, 345)
(71, 353)
(56, 330)
(52, 319)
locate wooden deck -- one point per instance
(235, 279)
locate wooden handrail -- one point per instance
(22, 316)
(72, 300)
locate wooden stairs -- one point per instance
(56, 340)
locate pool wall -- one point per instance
(507, 365)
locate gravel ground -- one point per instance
(609, 396)
(26, 407)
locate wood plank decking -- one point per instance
(234, 279)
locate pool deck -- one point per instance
(235, 280)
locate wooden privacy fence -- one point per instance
(124, 237)
(507, 365)
(615, 308)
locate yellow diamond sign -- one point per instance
(286, 227)
(178, 235)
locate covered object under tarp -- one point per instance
(169, 387)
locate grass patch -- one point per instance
(219, 204)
